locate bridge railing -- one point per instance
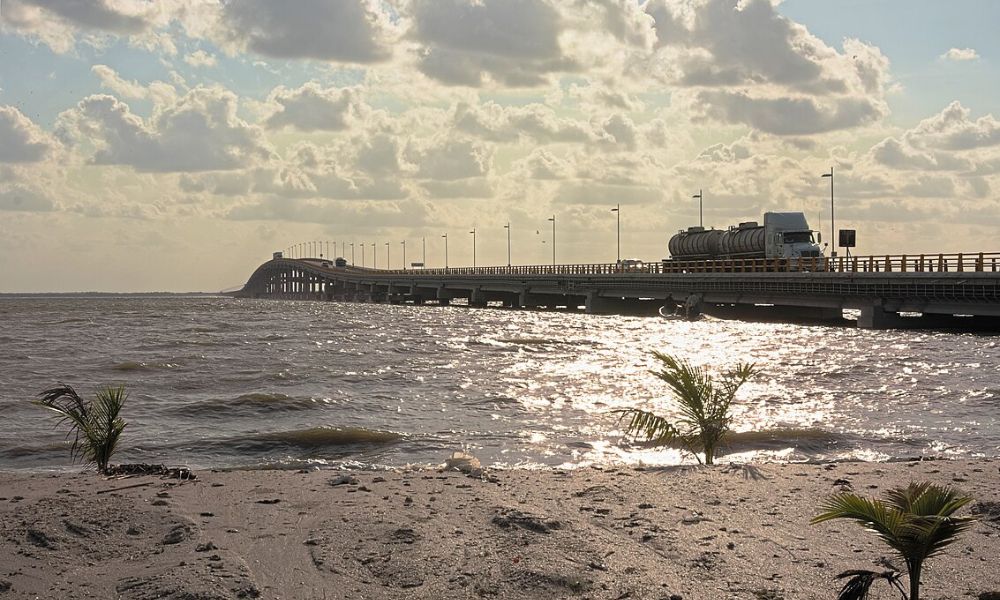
(899, 263)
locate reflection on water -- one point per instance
(219, 382)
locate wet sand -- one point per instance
(690, 533)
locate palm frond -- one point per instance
(860, 583)
(95, 425)
(64, 401)
(703, 406)
(917, 521)
(648, 427)
(872, 514)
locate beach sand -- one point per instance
(691, 533)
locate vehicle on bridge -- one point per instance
(783, 235)
(340, 262)
(629, 265)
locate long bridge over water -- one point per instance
(940, 290)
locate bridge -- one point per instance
(895, 291)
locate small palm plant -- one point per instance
(916, 521)
(703, 401)
(94, 425)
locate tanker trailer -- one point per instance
(746, 240)
(697, 243)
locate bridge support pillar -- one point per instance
(875, 317)
(596, 305)
(599, 305)
(477, 298)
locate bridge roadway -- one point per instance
(960, 290)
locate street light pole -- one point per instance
(701, 209)
(423, 257)
(553, 219)
(833, 240)
(404, 254)
(473, 232)
(362, 244)
(374, 257)
(388, 262)
(618, 212)
(507, 227)
(445, 236)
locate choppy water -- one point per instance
(221, 383)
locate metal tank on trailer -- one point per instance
(747, 240)
(697, 243)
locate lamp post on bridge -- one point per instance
(473, 232)
(701, 208)
(553, 219)
(618, 212)
(445, 236)
(403, 243)
(423, 241)
(507, 227)
(388, 261)
(833, 240)
(352, 254)
(362, 247)
(374, 257)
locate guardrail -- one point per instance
(980, 262)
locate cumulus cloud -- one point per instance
(200, 58)
(470, 42)
(538, 122)
(953, 129)
(960, 54)
(800, 115)
(200, 132)
(21, 141)
(56, 22)
(625, 20)
(159, 92)
(450, 158)
(950, 141)
(352, 31)
(899, 155)
(544, 165)
(114, 82)
(751, 63)
(314, 108)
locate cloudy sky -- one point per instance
(173, 145)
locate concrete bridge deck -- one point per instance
(944, 290)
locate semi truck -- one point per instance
(783, 235)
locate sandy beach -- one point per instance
(690, 533)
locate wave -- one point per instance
(22, 451)
(809, 439)
(131, 365)
(257, 402)
(341, 439)
(526, 341)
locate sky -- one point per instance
(174, 145)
